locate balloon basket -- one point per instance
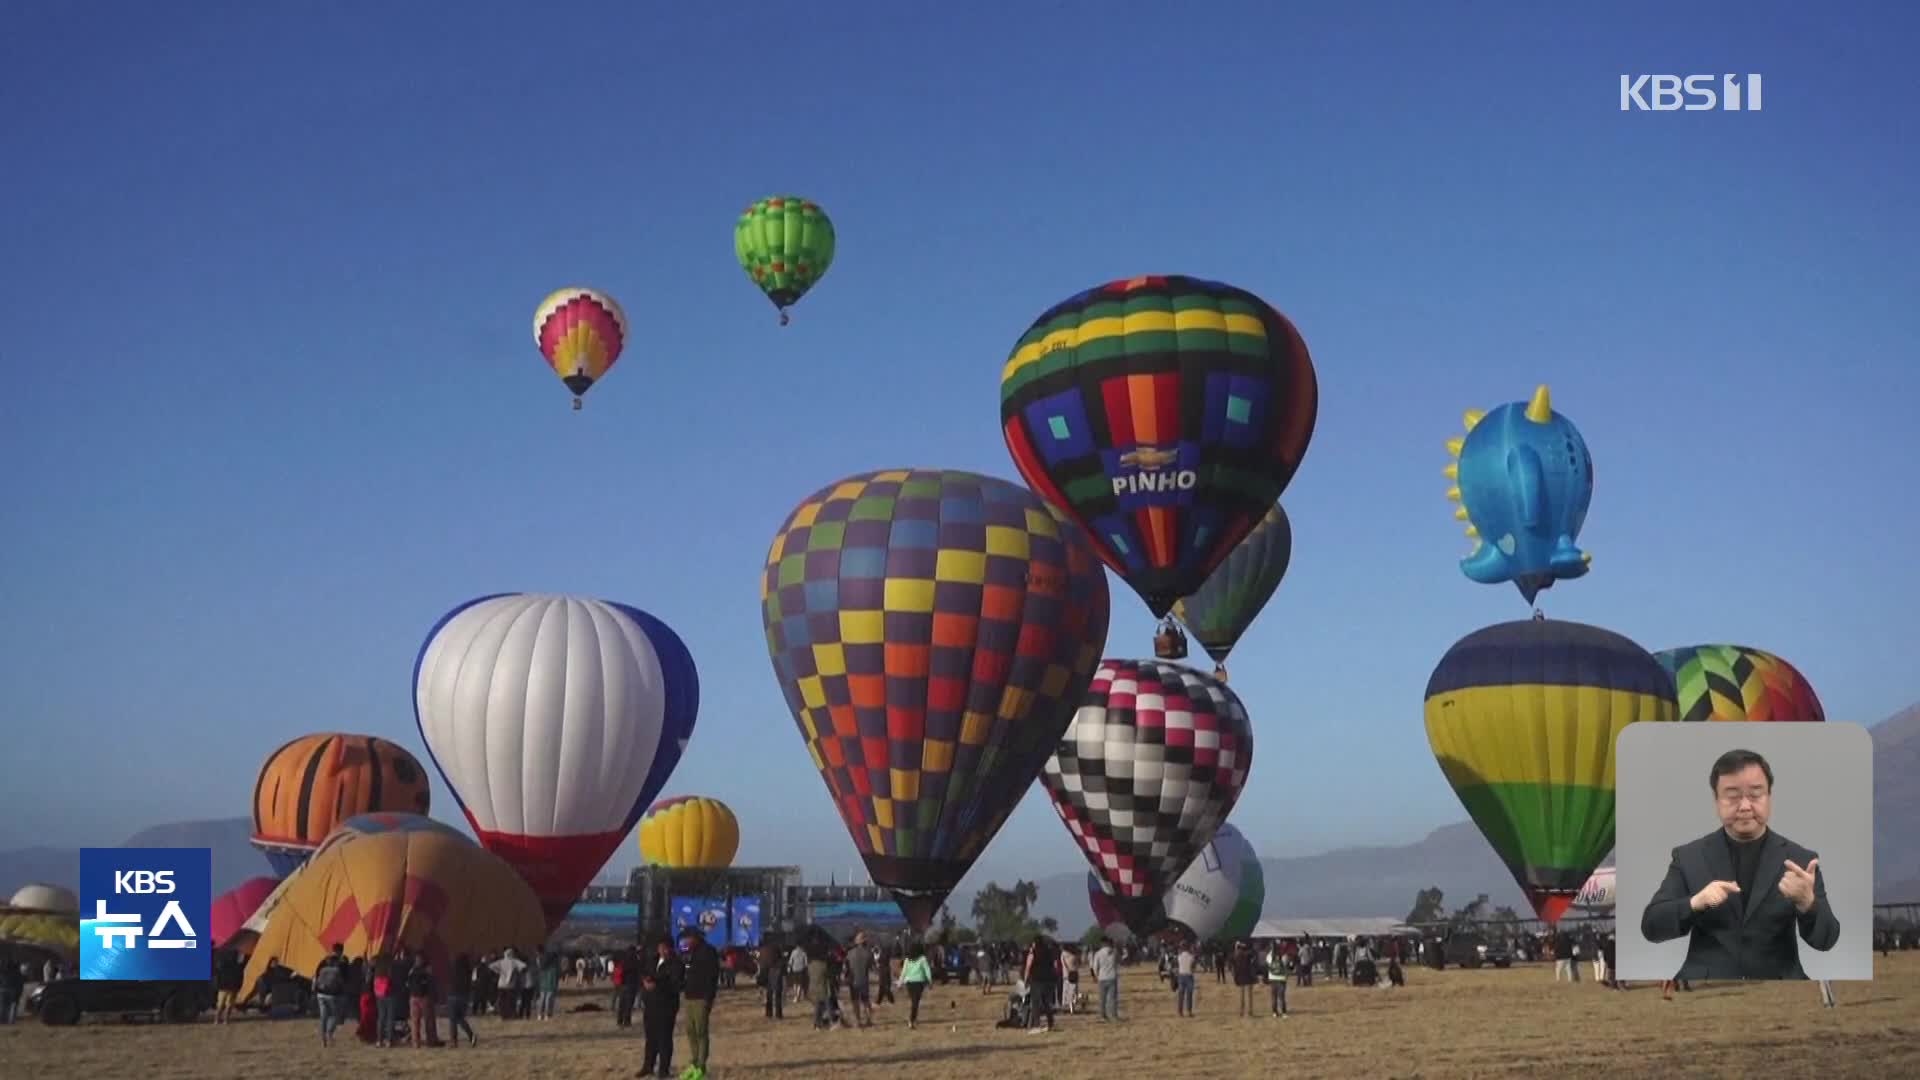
(1539, 616)
(784, 318)
(576, 404)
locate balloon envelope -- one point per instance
(785, 244)
(689, 831)
(311, 784)
(1238, 589)
(555, 720)
(1522, 717)
(581, 332)
(1165, 415)
(428, 890)
(40, 896)
(1596, 896)
(1734, 682)
(1524, 481)
(932, 631)
(1146, 773)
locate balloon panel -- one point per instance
(1166, 415)
(1733, 682)
(932, 631)
(232, 909)
(1522, 718)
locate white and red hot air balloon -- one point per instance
(1596, 896)
(556, 721)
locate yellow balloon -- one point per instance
(689, 831)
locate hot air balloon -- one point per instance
(308, 786)
(1522, 717)
(785, 244)
(554, 720)
(689, 831)
(1734, 682)
(1225, 606)
(41, 897)
(581, 332)
(1220, 896)
(1523, 480)
(1165, 415)
(432, 891)
(1146, 773)
(933, 631)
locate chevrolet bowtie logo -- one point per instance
(1147, 458)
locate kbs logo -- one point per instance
(1692, 93)
(145, 913)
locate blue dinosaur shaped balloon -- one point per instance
(1523, 481)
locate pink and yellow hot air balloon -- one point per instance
(581, 332)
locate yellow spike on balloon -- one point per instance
(1452, 471)
(1587, 557)
(1473, 418)
(1453, 493)
(1459, 513)
(1454, 444)
(1472, 532)
(1540, 409)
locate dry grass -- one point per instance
(1453, 1023)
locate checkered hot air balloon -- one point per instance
(1734, 682)
(933, 631)
(1148, 770)
(1165, 415)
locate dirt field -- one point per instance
(1442, 1024)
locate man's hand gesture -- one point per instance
(1713, 895)
(1797, 885)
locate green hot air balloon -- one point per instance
(1233, 595)
(785, 244)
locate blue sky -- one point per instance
(271, 403)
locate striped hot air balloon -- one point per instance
(1165, 415)
(689, 831)
(785, 244)
(309, 786)
(1522, 717)
(1734, 682)
(1238, 589)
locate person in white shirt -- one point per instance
(1106, 972)
(1183, 975)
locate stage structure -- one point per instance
(737, 905)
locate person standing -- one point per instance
(773, 979)
(915, 974)
(549, 985)
(1183, 980)
(1042, 972)
(626, 986)
(1277, 978)
(459, 994)
(883, 961)
(860, 963)
(701, 987)
(1106, 973)
(420, 1012)
(330, 988)
(661, 976)
(1241, 960)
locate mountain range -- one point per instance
(1353, 881)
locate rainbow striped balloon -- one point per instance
(581, 332)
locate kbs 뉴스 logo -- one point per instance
(145, 913)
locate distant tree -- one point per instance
(1093, 937)
(1504, 914)
(1427, 907)
(1006, 914)
(1472, 913)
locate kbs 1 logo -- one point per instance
(1691, 93)
(145, 913)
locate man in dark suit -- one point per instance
(1739, 893)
